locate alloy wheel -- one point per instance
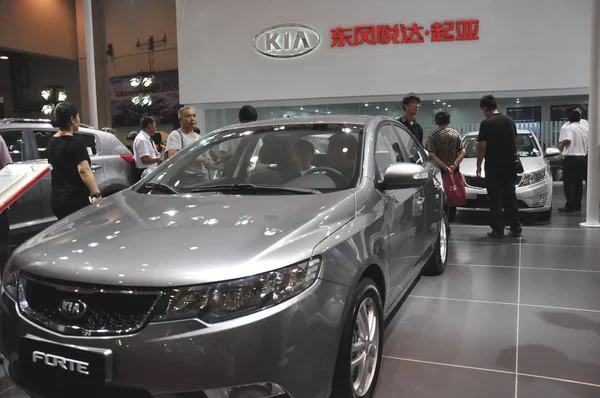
(443, 240)
(365, 347)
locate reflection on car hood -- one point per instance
(132, 239)
(468, 166)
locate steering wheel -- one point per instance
(335, 175)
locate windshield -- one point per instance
(526, 146)
(310, 158)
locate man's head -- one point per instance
(576, 108)
(442, 118)
(411, 104)
(131, 137)
(108, 130)
(187, 117)
(247, 114)
(575, 115)
(304, 152)
(148, 124)
(157, 138)
(488, 105)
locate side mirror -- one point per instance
(404, 175)
(552, 152)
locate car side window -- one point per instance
(41, 139)
(413, 149)
(15, 143)
(387, 150)
(90, 142)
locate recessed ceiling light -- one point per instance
(386, 109)
(366, 104)
(377, 107)
(444, 103)
(3, 57)
(449, 106)
(301, 108)
(438, 100)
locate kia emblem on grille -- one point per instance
(72, 308)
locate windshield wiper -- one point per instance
(163, 187)
(254, 187)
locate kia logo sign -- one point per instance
(287, 40)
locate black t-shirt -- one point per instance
(500, 132)
(414, 128)
(64, 154)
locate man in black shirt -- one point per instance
(497, 135)
(411, 104)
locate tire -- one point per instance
(436, 264)
(545, 215)
(366, 304)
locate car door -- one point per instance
(427, 200)
(41, 137)
(25, 213)
(98, 165)
(398, 205)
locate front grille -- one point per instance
(109, 311)
(479, 182)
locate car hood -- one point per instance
(132, 239)
(468, 166)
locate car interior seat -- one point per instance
(277, 162)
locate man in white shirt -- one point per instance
(185, 135)
(574, 146)
(144, 151)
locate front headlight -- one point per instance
(534, 178)
(226, 300)
(10, 280)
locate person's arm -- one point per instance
(144, 148)
(481, 146)
(85, 171)
(439, 162)
(459, 159)
(174, 143)
(564, 137)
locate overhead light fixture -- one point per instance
(148, 81)
(62, 96)
(366, 104)
(135, 81)
(449, 106)
(444, 103)
(301, 108)
(136, 100)
(147, 99)
(386, 109)
(377, 107)
(316, 110)
(46, 94)
(438, 100)
(3, 57)
(47, 109)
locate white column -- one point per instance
(90, 61)
(592, 218)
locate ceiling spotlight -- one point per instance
(3, 57)
(47, 109)
(46, 94)
(449, 106)
(301, 108)
(62, 96)
(136, 100)
(386, 109)
(444, 103)
(438, 100)
(147, 99)
(316, 110)
(377, 107)
(148, 81)
(135, 81)
(366, 104)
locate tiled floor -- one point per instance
(507, 319)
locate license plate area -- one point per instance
(57, 365)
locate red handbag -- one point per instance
(454, 185)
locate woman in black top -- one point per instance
(73, 181)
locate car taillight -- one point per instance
(128, 158)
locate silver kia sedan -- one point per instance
(260, 262)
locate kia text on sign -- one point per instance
(460, 30)
(287, 40)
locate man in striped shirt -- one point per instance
(445, 149)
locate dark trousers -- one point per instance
(4, 239)
(574, 173)
(502, 195)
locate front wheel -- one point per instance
(436, 264)
(361, 347)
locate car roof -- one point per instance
(325, 119)
(519, 131)
(45, 123)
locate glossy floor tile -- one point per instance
(482, 253)
(532, 387)
(498, 284)
(455, 332)
(420, 380)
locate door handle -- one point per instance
(95, 167)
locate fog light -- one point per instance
(261, 390)
(541, 201)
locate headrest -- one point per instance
(275, 150)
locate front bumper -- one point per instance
(531, 198)
(293, 345)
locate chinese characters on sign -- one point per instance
(459, 30)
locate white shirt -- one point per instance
(143, 146)
(578, 134)
(582, 121)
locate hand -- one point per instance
(478, 171)
(98, 199)
(449, 170)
